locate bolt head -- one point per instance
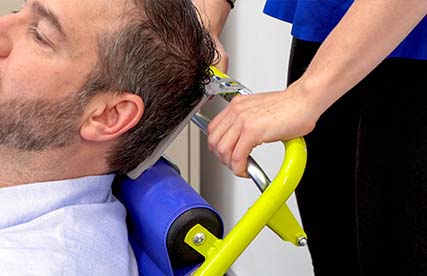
(199, 239)
(302, 241)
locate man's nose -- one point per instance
(6, 42)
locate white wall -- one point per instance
(8, 6)
(259, 48)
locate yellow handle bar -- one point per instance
(270, 208)
(221, 254)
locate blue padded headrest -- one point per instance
(155, 202)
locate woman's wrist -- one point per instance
(314, 99)
(214, 14)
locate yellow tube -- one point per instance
(223, 253)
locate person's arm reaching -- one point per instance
(367, 34)
(214, 14)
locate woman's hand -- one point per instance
(214, 14)
(249, 121)
(222, 58)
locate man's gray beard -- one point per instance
(36, 125)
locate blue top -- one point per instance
(313, 20)
(69, 227)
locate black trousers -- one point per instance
(363, 195)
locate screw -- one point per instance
(302, 241)
(199, 239)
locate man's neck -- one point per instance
(19, 167)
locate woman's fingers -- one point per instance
(252, 120)
(218, 127)
(225, 147)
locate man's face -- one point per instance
(47, 51)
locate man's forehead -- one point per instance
(79, 15)
(83, 22)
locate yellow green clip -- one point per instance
(201, 240)
(285, 225)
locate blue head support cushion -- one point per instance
(161, 208)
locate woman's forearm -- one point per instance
(366, 35)
(214, 14)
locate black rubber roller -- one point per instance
(182, 254)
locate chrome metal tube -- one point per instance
(253, 169)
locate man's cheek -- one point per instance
(20, 86)
(28, 85)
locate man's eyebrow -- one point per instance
(47, 14)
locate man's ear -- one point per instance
(108, 115)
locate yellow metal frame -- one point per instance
(219, 73)
(270, 210)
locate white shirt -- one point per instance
(70, 227)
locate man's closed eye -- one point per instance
(38, 37)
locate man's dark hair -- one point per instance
(162, 53)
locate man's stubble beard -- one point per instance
(41, 124)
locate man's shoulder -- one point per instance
(85, 239)
(96, 239)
